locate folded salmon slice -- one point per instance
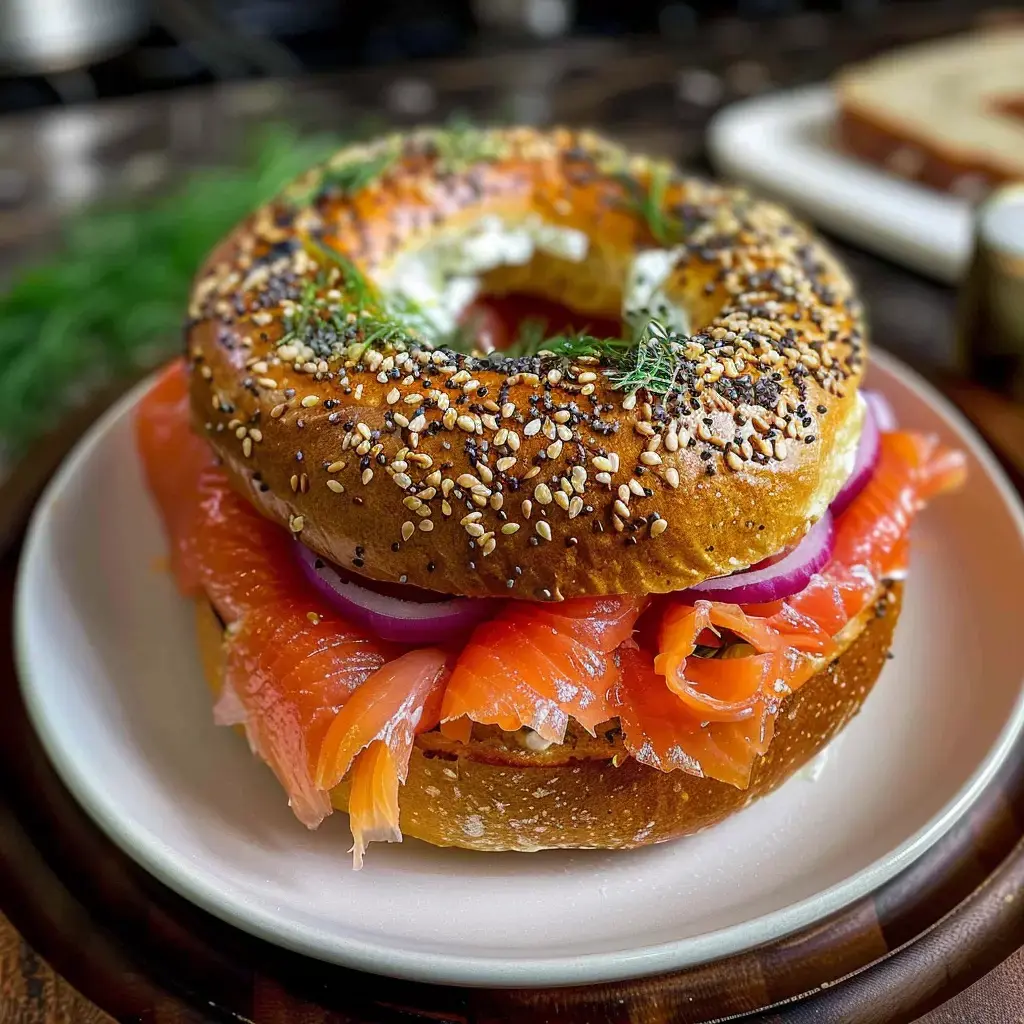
(538, 665)
(373, 735)
(733, 702)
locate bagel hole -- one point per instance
(497, 321)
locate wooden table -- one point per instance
(939, 944)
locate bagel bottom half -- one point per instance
(492, 794)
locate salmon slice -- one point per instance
(659, 730)
(172, 459)
(245, 561)
(538, 665)
(291, 669)
(373, 734)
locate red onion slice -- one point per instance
(868, 447)
(417, 621)
(885, 416)
(783, 578)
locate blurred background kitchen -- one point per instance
(133, 133)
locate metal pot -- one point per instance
(46, 36)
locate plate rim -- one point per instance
(147, 850)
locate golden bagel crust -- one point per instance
(535, 477)
(491, 794)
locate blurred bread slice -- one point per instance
(948, 113)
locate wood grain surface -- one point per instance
(940, 943)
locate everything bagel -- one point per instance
(595, 587)
(330, 376)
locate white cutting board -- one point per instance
(781, 145)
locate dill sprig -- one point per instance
(460, 145)
(652, 362)
(648, 202)
(348, 173)
(112, 298)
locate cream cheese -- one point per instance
(443, 277)
(644, 297)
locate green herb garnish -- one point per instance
(653, 361)
(114, 297)
(460, 146)
(649, 203)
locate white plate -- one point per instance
(781, 144)
(113, 685)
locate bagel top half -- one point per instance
(327, 371)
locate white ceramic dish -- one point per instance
(112, 682)
(781, 144)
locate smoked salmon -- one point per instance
(373, 734)
(538, 666)
(322, 701)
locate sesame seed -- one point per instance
(603, 478)
(586, 378)
(403, 480)
(278, 411)
(635, 487)
(474, 529)
(579, 479)
(296, 523)
(471, 518)
(532, 427)
(650, 458)
(294, 482)
(496, 501)
(500, 437)
(393, 396)
(629, 402)
(527, 507)
(247, 447)
(672, 477)
(467, 480)
(509, 528)
(485, 473)
(426, 525)
(562, 500)
(543, 494)
(240, 432)
(310, 400)
(256, 434)
(336, 486)
(554, 449)
(621, 508)
(543, 530)
(413, 399)
(402, 421)
(733, 461)
(466, 423)
(488, 546)
(531, 473)
(508, 410)
(408, 529)
(618, 524)
(505, 464)
(266, 382)
(513, 440)
(367, 476)
(448, 419)
(602, 463)
(658, 527)
(780, 449)
(624, 492)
